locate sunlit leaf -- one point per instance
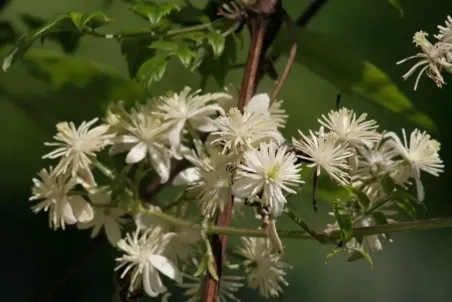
(359, 195)
(152, 70)
(179, 49)
(154, 12)
(407, 206)
(341, 66)
(344, 220)
(217, 42)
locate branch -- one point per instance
(327, 238)
(310, 12)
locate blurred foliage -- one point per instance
(350, 47)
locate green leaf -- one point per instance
(344, 220)
(400, 194)
(136, 51)
(379, 218)
(217, 42)
(353, 75)
(216, 68)
(92, 20)
(397, 6)
(154, 12)
(196, 36)
(407, 206)
(72, 22)
(179, 49)
(388, 184)
(69, 40)
(152, 70)
(354, 255)
(362, 197)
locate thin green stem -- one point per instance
(427, 224)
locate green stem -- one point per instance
(427, 224)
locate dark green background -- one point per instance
(416, 267)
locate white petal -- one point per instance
(136, 154)
(259, 102)
(113, 231)
(149, 283)
(160, 161)
(81, 208)
(187, 176)
(245, 188)
(68, 213)
(203, 124)
(175, 133)
(166, 267)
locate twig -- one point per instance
(310, 12)
(290, 60)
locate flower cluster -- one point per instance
(434, 58)
(220, 155)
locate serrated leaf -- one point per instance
(407, 206)
(91, 20)
(136, 51)
(69, 40)
(388, 184)
(152, 70)
(70, 22)
(350, 73)
(154, 12)
(217, 42)
(27, 39)
(179, 49)
(362, 197)
(196, 36)
(397, 6)
(217, 68)
(344, 220)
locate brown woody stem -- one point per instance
(261, 15)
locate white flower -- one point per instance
(145, 135)
(240, 132)
(182, 244)
(261, 103)
(356, 132)
(105, 216)
(193, 109)
(53, 193)
(373, 165)
(143, 260)
(265, 269)
(421, 153)
(326, 153)
(229, 285)
(434, 57)
(271, 170)
(77, 148)
(445, 32)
